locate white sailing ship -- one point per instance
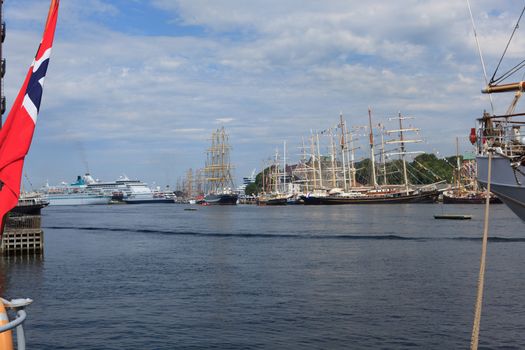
(219, 181)
(500, 141)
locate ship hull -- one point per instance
(221, 199)
(507, 184)
(148, 201)
(469, 200)
(424, 197)
(77, 200)
(272, 201)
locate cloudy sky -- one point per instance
(136, 87)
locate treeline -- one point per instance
(424, 169)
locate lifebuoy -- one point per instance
(6, 338)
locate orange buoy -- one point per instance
(6, 338)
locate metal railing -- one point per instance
(18, 306)
(506, 135)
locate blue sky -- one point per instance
(136, 87)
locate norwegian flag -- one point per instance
(17, 132)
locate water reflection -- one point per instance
(17, 271)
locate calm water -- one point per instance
(246, 277)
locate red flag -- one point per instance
(17, 131)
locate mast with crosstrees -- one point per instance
(376, 193)
(218, 170)
(402, 141)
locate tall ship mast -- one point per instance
(402, 141)
(375, 193)
(218, 171)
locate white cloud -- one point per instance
(276, 69)
(224, 120)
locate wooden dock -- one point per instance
(22, 235)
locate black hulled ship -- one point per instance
(219, 180)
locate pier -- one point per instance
(22, 235)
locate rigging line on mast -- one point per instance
(509, 72)
(480, 53)
(493, 80)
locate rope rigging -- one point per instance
(511, 71)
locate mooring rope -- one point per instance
(481, 278)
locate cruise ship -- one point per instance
(88, 191)
(77, 193)
(131, 191)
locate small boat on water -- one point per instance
(452, 217)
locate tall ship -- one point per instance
(500, 140)
(378, 193)
(274, 183)
(465, 189)
(218, 171)
(501, 145)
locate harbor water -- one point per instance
(245, 277)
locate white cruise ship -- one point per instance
(77, 193)
(88, 191)
(131, 191)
